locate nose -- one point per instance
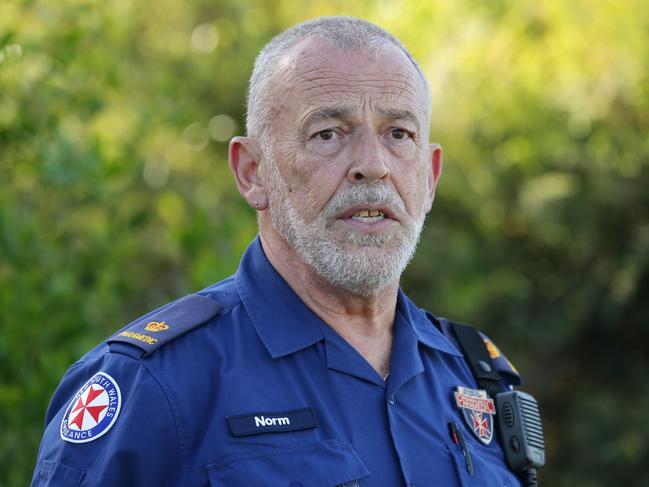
(368, 161)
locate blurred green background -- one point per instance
(115, 196)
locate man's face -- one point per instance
(348, 174)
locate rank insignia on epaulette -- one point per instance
(184, 315)
(156, 326)
(478, 410)
(494, 353)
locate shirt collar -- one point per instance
(425, 331)
(285, 324)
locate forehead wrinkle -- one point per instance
(307, 101)
(326, 71)
(314, 72)
(409, 96)
(329, 91)
(328, 87)
(355, 78)
(314, 90)
(331, 83)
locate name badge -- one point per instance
(272, 422)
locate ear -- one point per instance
(243, 158)
(434, 172)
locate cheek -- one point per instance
(324, 149)
(284, 154)
(406, 151)
(321, 183)
(310, 181)
(412, 185)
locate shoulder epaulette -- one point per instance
(501, 363)
(152, 331)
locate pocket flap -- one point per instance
(49, 473)
(324, 464)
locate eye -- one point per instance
(400, 134)
(327, 134)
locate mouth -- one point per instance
(368, 214)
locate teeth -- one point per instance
(369, 216)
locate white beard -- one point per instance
(361, 264)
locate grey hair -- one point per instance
(346, 33)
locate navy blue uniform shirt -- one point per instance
(243, 385)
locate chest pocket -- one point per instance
(327, 463)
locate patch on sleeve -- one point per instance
(93, 410)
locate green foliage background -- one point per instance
(115, 195)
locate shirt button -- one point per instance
(391, 400)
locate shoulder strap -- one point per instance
(508, 373)
(166, 324)
(477, 356)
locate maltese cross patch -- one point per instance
(478, 410)
(93, 410)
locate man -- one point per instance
(309, 367)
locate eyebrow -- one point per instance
(399, 114)
(342, 112)
(339, 112)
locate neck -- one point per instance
(366, 323)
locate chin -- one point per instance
(369, 241)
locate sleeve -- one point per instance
(109, 423)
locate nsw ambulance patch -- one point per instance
(93, 410)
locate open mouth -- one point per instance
(368, 213)
(368, 216)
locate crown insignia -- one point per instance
(156, 326)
